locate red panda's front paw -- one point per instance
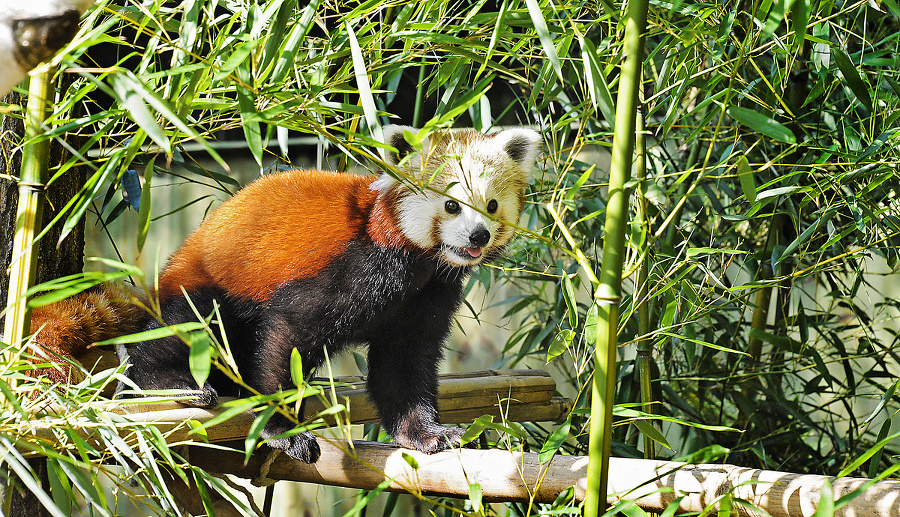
(206, 398)
(431, 439)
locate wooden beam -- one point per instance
(517, 395)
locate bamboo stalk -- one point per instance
(644, 358)
(35, 159)
(609, 293)
(515, 476)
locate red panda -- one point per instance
(68, 327)
(319, 261)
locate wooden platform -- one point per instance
(515, 395)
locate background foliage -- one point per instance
(767, 221)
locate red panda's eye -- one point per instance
(492, 206)
(452, 207)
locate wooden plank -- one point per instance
(520, 395)
(461, 397)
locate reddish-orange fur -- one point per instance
(68, 327)
(284, 242)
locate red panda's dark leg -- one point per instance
(162, 364)
(403, 366)
(272, 373)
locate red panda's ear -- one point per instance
(523, 146)
(392, 135)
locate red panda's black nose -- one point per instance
(480, 237)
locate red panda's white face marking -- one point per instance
(472, 188)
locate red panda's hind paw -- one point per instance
(301, 446)
(432, 439)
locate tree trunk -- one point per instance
(53, 261)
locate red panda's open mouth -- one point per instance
(467, 254)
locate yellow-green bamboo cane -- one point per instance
(641, 297)
(609, 293)
(32, 180)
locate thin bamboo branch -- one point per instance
(608, 294)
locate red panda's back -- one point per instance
(277, 229)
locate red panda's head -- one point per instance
(461, 189)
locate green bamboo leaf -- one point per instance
(475, 497)
(249, 116)
(778, 191)
(132, 95)
(745, 175)
(702, 252)
(821, 367)
(555, 441)
(885, 399)
(571, 304)
(275, 33)
(826, 501)
(237, 57)
(256, 429)
(762, 124)
(170, 114)
(149, 335)
(296, 368)
(726, 505)
(707, 344)
(619, 410)
(875, 463)
(800, 11)
(648, 430)
(673, 508)
(560, 343)
(144, 209)
(856, 83)
(288, 55)
(200, 357)
(412, 462)
(79, 205)
(710, 454)
(362, 81)
(17, 463)
(364, 501)
(782, 342)
(233, 409)
(494, 35)
(540, 26)
(864, 457)
(476, 428)
(598, 89)
(590, 324)
(818, 225)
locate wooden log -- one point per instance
(513, 476)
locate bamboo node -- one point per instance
(600, 299)
(29, 187)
